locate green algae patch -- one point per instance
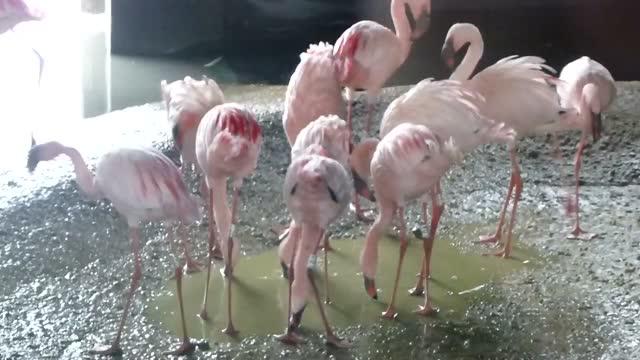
(260, 292)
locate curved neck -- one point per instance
(402, 26)
(470, 61)
(84, 177)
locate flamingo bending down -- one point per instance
(369, 53)
(228, 143)
(314, 90)
(317, 190)
(451, 111)
(587, 86)
(408, 162)
(518, 93)
(14, 12)
(143, 185)
(186, 102)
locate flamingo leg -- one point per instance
(191, 266)
(115, 349)
(391, 313)
(210, 250)
(369, 115)
(289, 337)
(332, 339)
(350, 120)
(216, 251)
(327, 298)
(574, 205)
(494, 238)
(516, 179)
(228, 268)
(187, 347)
(425, 269)
(360, 216)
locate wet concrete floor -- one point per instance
(66, 262)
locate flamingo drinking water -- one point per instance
(143, 185)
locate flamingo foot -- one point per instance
(186, 348)
(337, 342)
(113, 350)
(290, 338)
(230, 330)
(504, 253)
(488, 239)
(417, 291)
(204, 315)
(579, 234)
(427, 310)
(390, 313)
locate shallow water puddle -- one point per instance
(260, 292)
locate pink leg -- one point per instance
(191, 266)
(187, 347)
(390, 313)
(327, 298)
(494, 238)
(350, 122)
(213, 241)
(210, 251)
(425, 270)
(289, 337)
(369, 116)
(115, 349)
(517, 184)
(228, 268)
(574, 206)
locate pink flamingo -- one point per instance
(228, 143)
(370, 53)
(316, 190)
(314, 90)
(142, 185)
(407, 163)
(587, 86)
(449, 110)
(518, 93)
(186, 102)
(14, 12)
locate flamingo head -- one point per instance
(43, 152)
(458, 36)
(421, 13)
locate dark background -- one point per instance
(264, 37)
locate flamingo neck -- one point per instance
(402, 26)
(471, 58)
(84, 177)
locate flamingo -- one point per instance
(518, 93)
(186, 102)
(449, 110)
(14, 12)
(316, 190)
(228, 143)
(587, 86)
(142, 185)
(407, 163)
(369, 53)
(314, 90)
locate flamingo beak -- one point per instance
(177, 136)
(361, 187)
(421, 25)
(370, 287)
(448, 54)
(596, 126)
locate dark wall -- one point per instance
(277, 30)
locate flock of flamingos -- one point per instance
(422, 134)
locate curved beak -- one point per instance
(448, 54)
(370, 287)
(361, 187)
(596, 126)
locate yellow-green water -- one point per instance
(260, 291)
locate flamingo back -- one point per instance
(186, 102)
(313, 91)
(520, 93)
(409, 161)
(317, 190)
(143, 184)
(331, 133)
(228, 141)
(578, 73)
(449, 109)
